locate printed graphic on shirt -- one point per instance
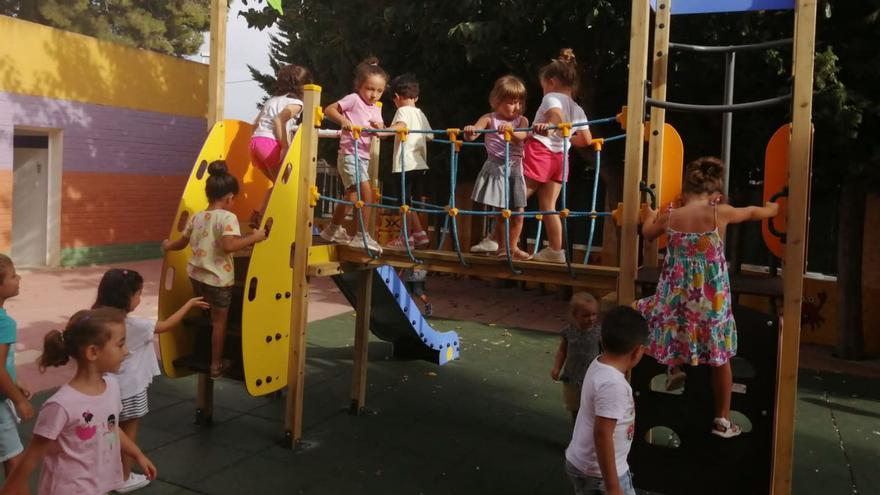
(86, 431)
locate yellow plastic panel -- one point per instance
(671, 171)
(265, 339)
(228, 140)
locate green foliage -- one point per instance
(173, 27)
(459, 48)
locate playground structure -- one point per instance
(274, 277)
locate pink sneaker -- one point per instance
(397, 243)
(420, 239)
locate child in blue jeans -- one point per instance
(595, 460)
(14, 403)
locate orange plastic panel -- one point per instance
(775, 180)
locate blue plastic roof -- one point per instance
(713, 6)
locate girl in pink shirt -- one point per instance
(76, 432)
(357, 110)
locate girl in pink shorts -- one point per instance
(270, 139)
(543, 151)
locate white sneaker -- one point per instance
(550, 255)
(487, 245)
(358, 242)
(335, 233)
(134, 482)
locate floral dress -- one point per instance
(690, 316)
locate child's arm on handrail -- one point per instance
(482, 123)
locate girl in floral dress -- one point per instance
(690, 315)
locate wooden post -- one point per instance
(375, 147)
(299, 307)
(800, 152)
(204, 400)
(361, 340)
(217, 67)
(662, 28)
(635, 138)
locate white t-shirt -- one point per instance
(605, 393)
(571, 112)
(415, 149)
(141, 365)
(274, 106)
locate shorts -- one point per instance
(345, 165)
(571, 396)
(134, 407)
(266, 155)
(542, 165)
(217, 297)
(591, 485)
(415, 289)
(415, 180)
(10, 442)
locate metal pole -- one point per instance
(727, 117)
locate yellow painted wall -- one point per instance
(38, 60)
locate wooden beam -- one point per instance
(299, 308)
(800, 155)
(601, 279)
(361, 341)
(635, 132)
(662, 28)
(217, 67)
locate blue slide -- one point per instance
(396, 318)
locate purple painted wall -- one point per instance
(106, 139)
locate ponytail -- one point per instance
(85, 328)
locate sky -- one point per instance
(244, 47)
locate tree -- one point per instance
(173, 27)
(459, 48)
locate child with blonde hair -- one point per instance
(507, 100)
(579, 346)
(543, 160)
(690, 315)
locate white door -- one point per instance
(30, 189)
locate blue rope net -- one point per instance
(451, 212)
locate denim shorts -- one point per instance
(10, 442)
(590, 485)
(345, 165)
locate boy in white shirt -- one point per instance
(595, 460)
(414, 149)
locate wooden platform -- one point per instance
(601, 279)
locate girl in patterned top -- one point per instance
(215, 237)
(690, 314)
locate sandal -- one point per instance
(725, 429)
(219, 371)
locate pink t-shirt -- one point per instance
(86, 457)
(359, 112)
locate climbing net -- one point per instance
(451, 212)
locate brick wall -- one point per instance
(99, 209)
